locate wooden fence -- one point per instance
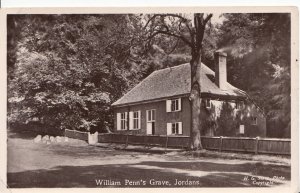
(77, 134)
(235, 144)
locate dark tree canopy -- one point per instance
(260, 63)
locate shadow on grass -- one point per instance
(203, 173)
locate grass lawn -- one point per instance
(76, 164)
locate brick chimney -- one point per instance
(220, 69)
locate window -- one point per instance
(254, 120)
(136, 118)
(173, 105)
(207, 103)
(151, 122)
(123, 121)
(242, 129)
(239, 105)
(151, 115)
(174, 128)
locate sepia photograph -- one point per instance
(150, 100)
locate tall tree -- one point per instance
(66, 70)
(191, 32)
(259, 62)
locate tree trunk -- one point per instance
(195, 101)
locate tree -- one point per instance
(181, 28)
(259, 62)
(66, 70)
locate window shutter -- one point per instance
(180, 128)
(168, 105)
(179, 104)
(169, 128)
(130, 120)
(147, 115)
(139, 119)
(242, 129)
(126, 118)
(149, 128)
(118, 121)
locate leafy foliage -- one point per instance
(259, 61)
(69, 68)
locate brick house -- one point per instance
(159, 105)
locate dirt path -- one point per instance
(75, 164)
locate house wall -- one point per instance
(223, 118)
(251, 130)
(162, 117)
(213, 118)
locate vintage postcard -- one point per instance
(150, 99)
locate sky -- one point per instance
(217, 18)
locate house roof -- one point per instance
(175, 81)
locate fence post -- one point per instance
(146, 141)
(221, 143)
(256, 145)
(166, 145)
(92, 138)
(126, 141)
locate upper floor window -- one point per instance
(239, 105)
(173, 105)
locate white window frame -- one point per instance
(136, 120)
(152, 113)
(150, 121)
(239, 105)
(253, 120)
(174, 128)
(208, 103)
(123, 121)
(175, 104)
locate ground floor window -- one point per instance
(207, 103)
(254, 120)
(174, 128)
(151, 122)
(123, 121)
(151, 115)
(136, 119)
